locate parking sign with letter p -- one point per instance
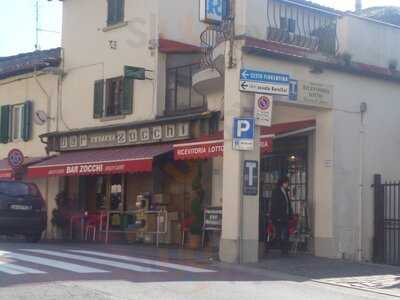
(243, 133)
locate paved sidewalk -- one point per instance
(366, 276)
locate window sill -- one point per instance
(115, 26)
(112, 118)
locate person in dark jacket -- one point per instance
(282, 212)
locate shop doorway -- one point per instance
(289, 158)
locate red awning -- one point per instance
(104, 161)
(284, 128)
(213, 146)
(170, 46)
(6, 172)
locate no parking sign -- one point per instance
(263, 110)
(15, 158)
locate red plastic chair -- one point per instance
(185, 227)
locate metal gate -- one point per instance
(387, 221)
(289, 159)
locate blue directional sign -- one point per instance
(264, 82)
(243, 133)
(260, 76)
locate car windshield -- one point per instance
(17, 189)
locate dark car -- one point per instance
(22, 210)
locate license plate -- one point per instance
(20, 207)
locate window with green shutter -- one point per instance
(115, 9)
(98, 101)
(5, 123)
(117, 100)
(26, 130)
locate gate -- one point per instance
(387, 221)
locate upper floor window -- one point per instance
(115, 11)
(16, 119)
(180, 95)
(16, 122)
(117, 99)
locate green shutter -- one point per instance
(5, 123)
(120, 10)
(127, 100)
(115, 11)
(27, 121)
(98, 101)
(110, 12)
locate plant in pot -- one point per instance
(195, 228)
(59, 218)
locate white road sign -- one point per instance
(263, 110)
(264, 88)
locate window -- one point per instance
(114, 96)
(288, 25)
(16, 122)
(180, 95)
(115, 12)
(118, 99)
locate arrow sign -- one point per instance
(244, 74)
(264, 82)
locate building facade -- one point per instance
(147, 106)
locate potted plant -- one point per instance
(60, 215)
(195, 228)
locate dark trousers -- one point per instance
(282, 233)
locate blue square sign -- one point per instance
(243, 133)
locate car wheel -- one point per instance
(34, 238)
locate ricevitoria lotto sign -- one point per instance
(199, 150)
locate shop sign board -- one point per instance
(243, 133)
(264, 82)
(250, 178)
(212, 219)
(200, 150)
(212, 11)
(125, 137)
(309, 93)
(97, 168)
(263, 110)
(15, 158)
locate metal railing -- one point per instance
(302, 26)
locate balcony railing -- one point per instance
(292, 23)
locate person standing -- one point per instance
(281, 212)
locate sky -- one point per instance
(18, 25)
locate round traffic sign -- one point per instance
(15, 158)
(264, 102)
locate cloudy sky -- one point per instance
(17, 22)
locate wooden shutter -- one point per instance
(110, 12)
(127, 99)
(27, 121)
(5, 123)
(115, 11)
(120, 10)
(98, 101)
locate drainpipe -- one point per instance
(363, 110)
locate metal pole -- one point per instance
(241, 208)
(37, 25)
